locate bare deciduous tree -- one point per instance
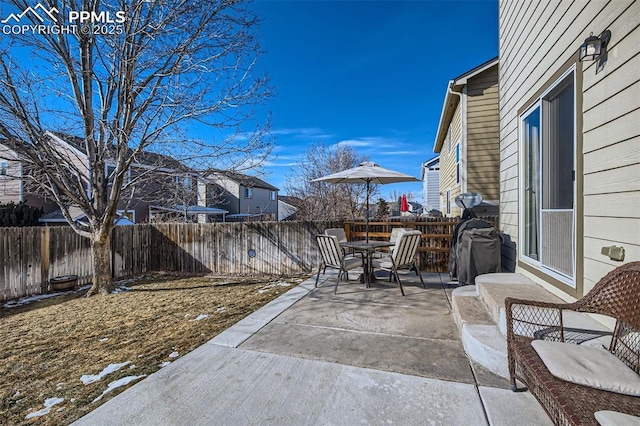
(321, 200)
(128, 88)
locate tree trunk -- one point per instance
(101, 257)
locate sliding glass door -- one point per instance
(548, 181)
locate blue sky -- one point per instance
(371, 74)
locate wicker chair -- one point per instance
(616, 295)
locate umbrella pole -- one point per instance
(366, 218)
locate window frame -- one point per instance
(113, 167)
(448, 201)
(538, 104)
(248, 192)
(457, 156)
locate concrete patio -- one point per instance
(363, 356)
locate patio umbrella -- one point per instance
(367, 173)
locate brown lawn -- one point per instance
(48, 345)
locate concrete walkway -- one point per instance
(363, 356)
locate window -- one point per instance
(3, 168)
(248, 193)
(109, 174)
(183, 181)
(448, 201)
(547, 185)
(272, 195)
(458, 163)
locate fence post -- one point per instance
(44, 256)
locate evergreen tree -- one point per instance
(383, 209)
(20, 214)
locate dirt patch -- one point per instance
(49, 345)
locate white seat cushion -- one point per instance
(613, 418)
(383, 263)
(351, 262)
(588, 366)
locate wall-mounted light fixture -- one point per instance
(595, 47)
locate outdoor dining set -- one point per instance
(399, 252)
(345, 255)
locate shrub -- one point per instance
(20, 214)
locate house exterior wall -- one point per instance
(234, 200)
(537, 41)
(229, 199)
(260, 202)
(482, 147)
(431, 188)
(10, 177)
(448, 164)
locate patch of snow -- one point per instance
(174, 355)
(201, 317)
(104, 339)
(15, 395)
(60, 385)
(36, 297)
(221, 309)
(164, 364)
(48, 404)
(272, 285)
(90, 378)
(118, 383)
(121, 289)
(132, 366)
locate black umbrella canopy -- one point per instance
(367, 173)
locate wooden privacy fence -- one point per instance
(30, 257)
(437, 233)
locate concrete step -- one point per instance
(481, 338)
(480, 315)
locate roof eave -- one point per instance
(451, 100)
(448, 108)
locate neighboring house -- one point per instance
(569, 140)
(169, 183)
(430, 175)
(12, 188)
(288, 207)
(241, 195)
(468, 139)
(415, 208)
